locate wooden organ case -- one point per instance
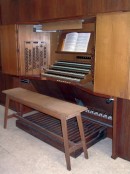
(112, 51)
(33, 58)
(69, 76)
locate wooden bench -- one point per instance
(54, 107)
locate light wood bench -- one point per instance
(54, 107)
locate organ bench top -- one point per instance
(48, 105)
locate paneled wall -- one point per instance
(39, 11)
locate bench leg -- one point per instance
(66, 142)
(6, 112)
(81, 130)
(21, 110)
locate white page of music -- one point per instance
(76, 42)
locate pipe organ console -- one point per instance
(62, 79)
(72, 66)
(67, 76)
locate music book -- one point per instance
(76, 42)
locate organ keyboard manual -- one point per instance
(69, 72)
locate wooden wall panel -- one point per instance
(70, 8)
(39, 11)
(13, 38)
(102, 6)
(116, 5)
(112, 54)
(121, 127)
(9, 11)
(9, 55)
(26, 10)
(45, 10)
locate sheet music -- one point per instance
(76, 42)
(70, 41)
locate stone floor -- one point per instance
(21, 153)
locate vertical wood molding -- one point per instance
(114, 141)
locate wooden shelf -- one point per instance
(70, 52)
